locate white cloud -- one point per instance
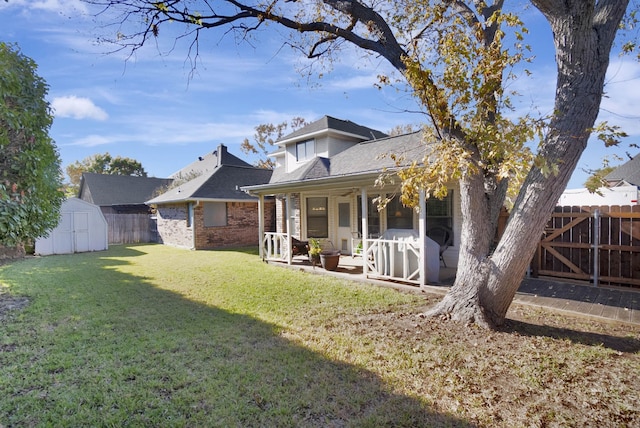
(77, 108)
(66, 6)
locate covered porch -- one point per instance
(392, 244)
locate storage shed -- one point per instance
(82, 228)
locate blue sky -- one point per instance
(152, 107)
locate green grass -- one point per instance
(150, 335)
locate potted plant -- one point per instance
(330, 259)
(314, 251)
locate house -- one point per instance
(205, 207)
(623, 188)
(119, 194)
(324, 186)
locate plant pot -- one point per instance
(330, 259)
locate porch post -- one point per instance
(422, 232)
(288, 214)
(261, 225)
(365, 229)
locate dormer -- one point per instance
(323, 138)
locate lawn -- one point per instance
(150, 335)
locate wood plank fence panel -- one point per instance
(567, 248)
(131, 228)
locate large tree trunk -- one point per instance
(486, 283)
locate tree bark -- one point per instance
(486, 283)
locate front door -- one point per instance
(344, 225)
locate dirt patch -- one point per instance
(541, 368)
(11, 303)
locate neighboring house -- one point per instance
(119, 194)
(627, 174)
(324, 185)
(623, 188)
(209, 210)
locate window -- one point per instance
(189, 214)
(317, 218)
(440, 212)
(344, 214)
(305, 150)
(399, 216)
(215, 214)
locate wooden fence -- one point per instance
(131, 228)
(596, 244)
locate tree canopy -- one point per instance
(30, 175)
(458, 58)
(103, 164)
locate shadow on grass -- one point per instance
(100, 347)
(616, 343)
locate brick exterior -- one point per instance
(241, 229)
(172, 226)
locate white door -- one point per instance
(344, 225)
(81, 231)
(63, 235)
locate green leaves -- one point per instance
(30, 176)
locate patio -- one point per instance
(351, 268)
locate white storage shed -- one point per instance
(82, 228)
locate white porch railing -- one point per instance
(393, 259)
(275, 246)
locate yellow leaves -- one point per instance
(161, 6)
(609, 134)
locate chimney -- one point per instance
(222, 152)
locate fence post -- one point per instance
(596, 246)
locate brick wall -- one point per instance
(241, 229)
(172, 226)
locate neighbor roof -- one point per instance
(628, 172)
(118, 190)
(328, 123)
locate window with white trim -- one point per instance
(305, 150)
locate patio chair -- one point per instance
(443, 236)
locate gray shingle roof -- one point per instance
(367, 157)
(223, 183)
(328, 122)
(116, 190)
(209, 162)
(629, 172)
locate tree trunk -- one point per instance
(486, 284)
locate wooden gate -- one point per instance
(596, 244)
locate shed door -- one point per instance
(81, 231)
(63, 237)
